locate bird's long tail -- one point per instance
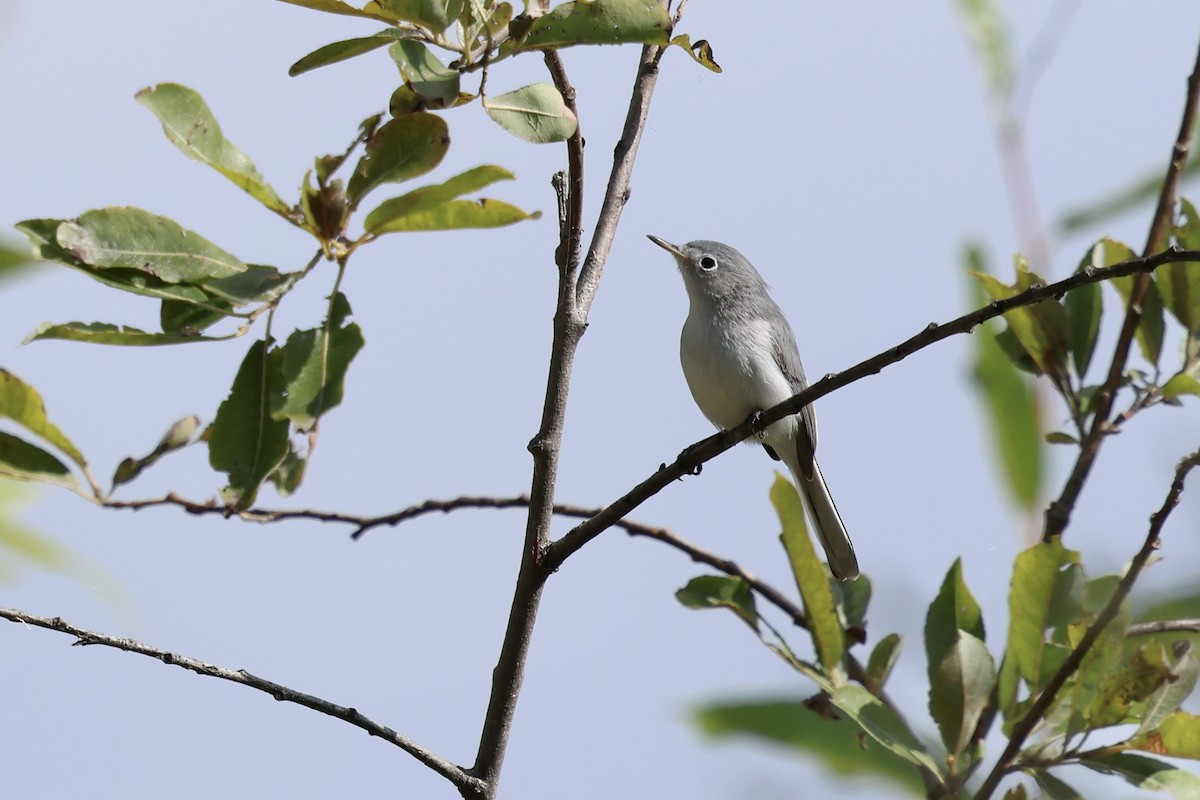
(827, 522)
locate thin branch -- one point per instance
(1058, 514)
(1045, 700)
(571, 224)
(451, 772)
(617, 192)
(693, 458)
(1163, 626)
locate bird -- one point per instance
(739, 358)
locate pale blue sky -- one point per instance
(846, 150)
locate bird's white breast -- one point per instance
(731, 369)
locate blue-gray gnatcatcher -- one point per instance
(739, 356)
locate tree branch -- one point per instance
(1164, 626)
(1058, 513)
(693, 457)
(451, 772)
(1037, 711)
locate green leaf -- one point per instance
(1148, 773)
(288, 476)
(1142, 190)
(1150, 330)
(436, 15)
(313, 364)
(177, 436)
(1084, 307)
(535, 113)
(349, 48)
(191, 126)
(719, 591)
(1041, 328)
(856, 598)
(1052, 787)
(1017, 792)
(13, 260)
(131, 238)
(400, 150)
(245, 441)
(41, 234)
(22, 461)
(882, 724)
(959, 689)
(257, 284)
(1037, 574)
(425, 74)
(1179, 283)
(835, 742)
(701, 51)
(21, 403)
(990, 37)
(104, 333)
(1173, 692)
(883, 658)
(599, 22)
(1180, 385)
(338, 7)
(428, 198)
(458, 215)
(1011, 405)
(812, 578)
(953, 610)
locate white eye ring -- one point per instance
(708, 263)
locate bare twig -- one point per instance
(1163, 626)
(452, 772)
(1041, 705)
(1058, 514)
(705, 450)
(570, 321)
(571, 225)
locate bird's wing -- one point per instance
(787, 356)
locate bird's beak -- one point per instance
(670, 248)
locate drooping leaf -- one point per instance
(1148, 773)
(428, 198)
(1179, 283)
(432, 80)
(835, 741)
(812, 578)
(458, 215)
(177, 436)
(104, 333)
(882, 724)
(314, 364)
(22, 461)
(21, 403)
(191, 126)
(1177, 736)
(535, 113)
(1041, 328)
(701, 51)
(288, 476)
(856, 599)
(1011, 405)
(131, 238)
(245, 441)
(334, 52)
(1052, 787)
(1179, 385)
(882, 660)
(719, 591)
(599, 22)
(400, 150)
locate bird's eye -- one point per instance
(708, 263)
